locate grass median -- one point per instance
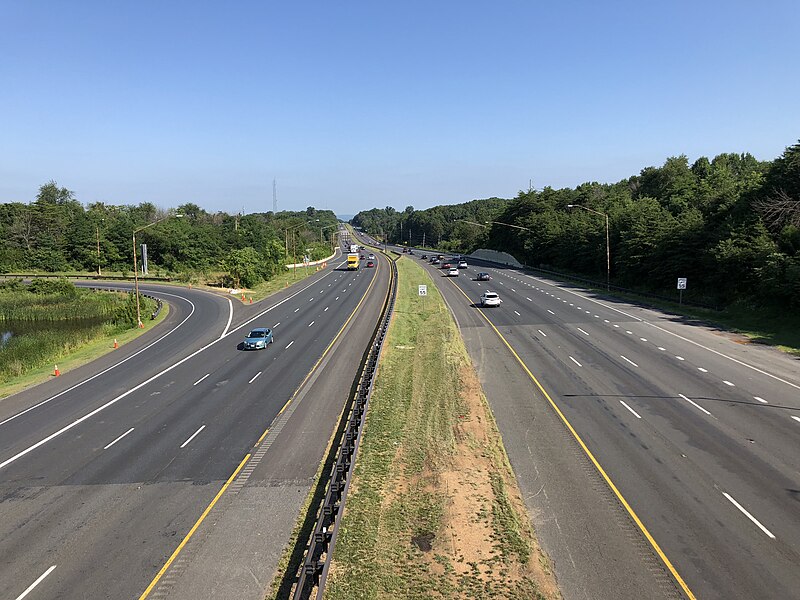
(433, 509)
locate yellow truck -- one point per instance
(352, 261)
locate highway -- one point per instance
(699, 434)
(105, 470)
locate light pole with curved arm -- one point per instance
(608, 246)
(509, 225)
(136, 268)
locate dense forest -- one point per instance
(731, 225)
(56, 233)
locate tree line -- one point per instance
(730, 225)
(56, 233)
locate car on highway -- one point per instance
(258, 339)
(462, 264)
(435, 261)
(482, 277)
(424, 257)
(490, 299)
(370, 264)
(361, 256)
(447, 266)
(371, 257)
(452, 272)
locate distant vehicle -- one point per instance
(482, 277)
(371, 257)
(462, 264)
(490, 299)
(370, 264)
(435, 261)
(411, 252)
(453, 272)
(361, 256)
(352, 261)
(424, 257)
(447, 266)
(353, 247)
(258, 339)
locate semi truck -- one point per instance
(352, 261)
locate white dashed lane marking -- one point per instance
(635, 414)
(628, 360)
(695, 404)
(575, 361)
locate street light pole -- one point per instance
(97, 227)
(136, 268)
(608, 244)
(508, 225)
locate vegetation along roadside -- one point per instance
(433, 509)
(49, 322)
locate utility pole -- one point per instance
(98, 250)
(423, 239)
(274, 197)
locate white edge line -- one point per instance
(113, 401)
(677, 335)
(193, 436)
(255, 377)
(96, 375)
(748, 515)
(201, 379)
(635, 414)
(118, 439)
(35, 583)
(695, 404)
(230, 318)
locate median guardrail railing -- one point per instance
(314, 569)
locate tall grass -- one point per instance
(49, 326)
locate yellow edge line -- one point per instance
(192, 530)
(314, 368)
(588, 452)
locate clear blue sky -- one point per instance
(352, 105)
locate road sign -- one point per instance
(681, 283)
(423, 290)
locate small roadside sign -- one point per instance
(681, 283)
(423, 290)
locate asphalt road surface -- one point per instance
(699, 434)
(105, 470)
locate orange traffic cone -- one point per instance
(242, 297)
(116, 345)
(251, 299)
(56, 372)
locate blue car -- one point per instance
(258, 338)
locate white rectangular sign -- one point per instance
(681, 283)
(423, 290)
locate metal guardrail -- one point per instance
(315, 566)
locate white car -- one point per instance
(371, 257)
(490, 299)
(453, 272)
(462, 264)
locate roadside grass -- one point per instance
(433, 508)
(72, 356)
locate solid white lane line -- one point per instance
(118, 439)
(542, 332)
(230, 318)
(695, 404)
(702, 370)
(201, 379)
(680, 358)
(519, 315)
(35, 583)
(760, 400)
(629, 360)
(194, 434)
(728, 383)
(796, 418)
(254, 377)
(310, 324)
(635, 414)
(582, 331)
(290, 343)
(550, 311)
(326, 309)
(575, 361)
(748, 515)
